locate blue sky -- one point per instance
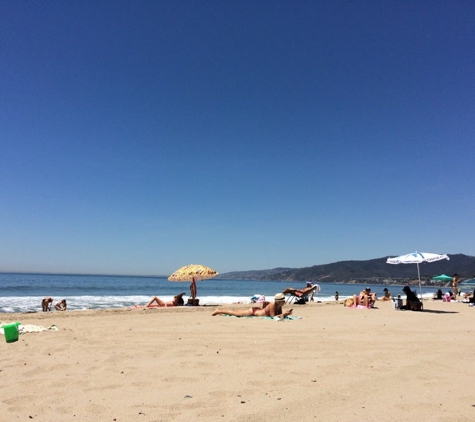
(137, 137)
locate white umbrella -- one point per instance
(416, 258)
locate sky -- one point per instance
(140, 136)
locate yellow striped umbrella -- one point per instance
(196, 271)
(192, 273)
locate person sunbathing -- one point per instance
(61, 305)
(268, 309)
(156, 302)
(387, 295)
(299, 292)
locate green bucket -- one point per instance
(11, 332)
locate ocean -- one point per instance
(24, 292)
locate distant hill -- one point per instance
(370, 271)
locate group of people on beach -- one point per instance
(47, 302)
(365, 299)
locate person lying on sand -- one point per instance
(268, 309)
(61, 305)
(46, 304)
(156, 302)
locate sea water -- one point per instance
(24, 292)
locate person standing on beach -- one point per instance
(270, 310)
(46, 304)
(193, 288)
(455, 281)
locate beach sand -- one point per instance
(182, 364)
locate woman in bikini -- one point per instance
(156, 302)
(46, 304)
(268, 309)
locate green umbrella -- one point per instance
(442, 277)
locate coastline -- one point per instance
(181, 364)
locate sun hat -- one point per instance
(279, 297)
(385, 289)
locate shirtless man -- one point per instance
(270, 309)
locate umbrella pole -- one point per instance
(419, 276)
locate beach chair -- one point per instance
(301, 296)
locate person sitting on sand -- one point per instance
(268, 309)
(46, 304)
(467, 296)
(367, 298)
(412, 301)
(387, 295)
(156, 302)
(358, 302)
(438, 295)
(450, 297)
(61, 305)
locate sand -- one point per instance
(182, 364)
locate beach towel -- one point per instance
(23, 329)
(275, 318)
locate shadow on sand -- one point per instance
(432, 311)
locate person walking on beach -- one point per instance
(270, 309)
(455, 281)
(46, 304)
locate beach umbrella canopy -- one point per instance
(442, 277)
(192, 273)
(416, 258)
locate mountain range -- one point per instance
(370, 271)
